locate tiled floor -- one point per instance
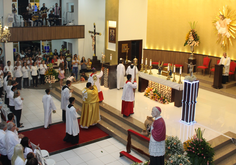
(105, 152)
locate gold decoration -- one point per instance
(146, 66)
(225, 25)
(4, 33)
(150, 67)
(141, 67)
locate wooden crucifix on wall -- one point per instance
(93, 35)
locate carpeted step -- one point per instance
(231, 160)
(123, 153)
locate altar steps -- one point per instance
(112, 121)
(225, 150)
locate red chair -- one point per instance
(213, 68)
(155, 63)
(206, 63)
(231, 69)
(166, 64)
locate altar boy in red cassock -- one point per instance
(157, 139)
(128, 97)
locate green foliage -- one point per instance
(173, 146)
(178, 160)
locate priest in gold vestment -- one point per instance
(90, 109)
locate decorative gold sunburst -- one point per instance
(225, 25)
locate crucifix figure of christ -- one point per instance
(93, 35)
(191, 67)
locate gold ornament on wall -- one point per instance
(225, 25)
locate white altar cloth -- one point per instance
(155, 77)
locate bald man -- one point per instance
(157, 139)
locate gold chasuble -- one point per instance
(90, 109)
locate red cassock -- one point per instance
(159, 130)
(127, 107)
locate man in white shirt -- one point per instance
(9, 68)
(120, 75)
(48, 106)
(3, 150)
(11, 139)
(65, 95)
(128, 97)
(226, 62)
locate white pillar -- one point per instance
(7, 7)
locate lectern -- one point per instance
(218, 76)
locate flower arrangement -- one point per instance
(173, 146)
(154, 95)
(192, 38)
(51, 71)
(178, 160)
(199, 151)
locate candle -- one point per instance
(111, 57)
(168, 67)
(142, 61)
(180, 70)
(146, 61)
(150, 62)
(174, 68)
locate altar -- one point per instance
(172, 91)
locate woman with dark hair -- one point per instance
(34, 74)
(75, 63)
(25, 142)
(72, 126)
(83, 65)
(33, 161)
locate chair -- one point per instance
(231, 69)
(50, 162)
(213, 68)
(45, 153)
(206, 62)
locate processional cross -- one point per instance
(93, 35)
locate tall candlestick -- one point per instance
(168, 67)
(142, 61)
(174, 68)
(150, 62)
(111, 57)
(146, 61)
(180, 70)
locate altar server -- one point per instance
(128, 97)
(11, 139)
(49, 107)
(90, 108)
(94, 80)
(226, 62)
(120, 75)
(8, 68)
(72, 126)
(65, 95)
(133, 71)
(157, 139)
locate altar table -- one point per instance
(176, 89)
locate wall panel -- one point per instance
(46, 33)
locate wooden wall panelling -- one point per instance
(46, 33)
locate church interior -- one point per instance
(185, 55)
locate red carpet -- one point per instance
(52, 139)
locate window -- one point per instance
(34, 4)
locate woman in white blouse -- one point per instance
(25, 142)
(43, 67)
(18, 102)
(18, 75)
(30, 61)
(34, 74)
(25, 71)
(18, 156)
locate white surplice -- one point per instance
(65, 95)
(48, 106)
(133, 72)
(120, 75)
(128, 91)
(11, 140)
(226, 62)
(97, 83)
(72, 125)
